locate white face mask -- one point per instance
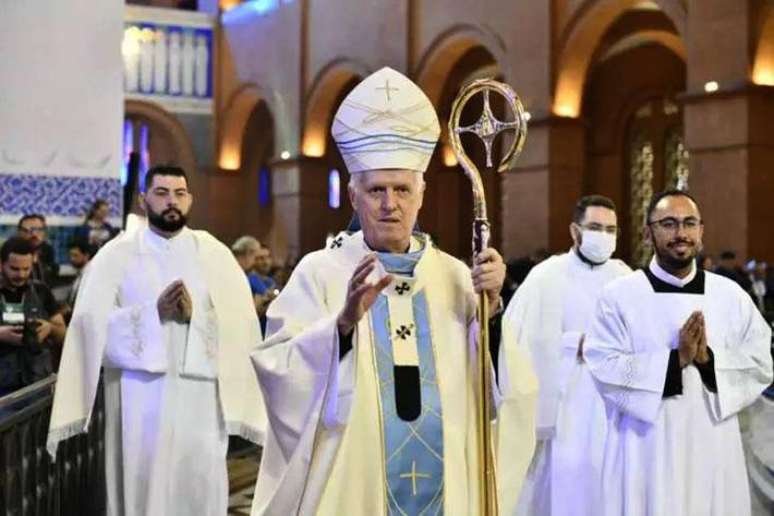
(597, 246)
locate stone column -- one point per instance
(540, 192)
(731, 145)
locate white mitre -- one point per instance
(386, 122)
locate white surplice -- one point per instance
(173, 391)
(546, 318)
(324, 452)
(680, 455)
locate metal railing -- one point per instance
(30, 484)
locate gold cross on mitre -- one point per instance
(414, 476)
(387, 89)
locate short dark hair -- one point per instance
(15, 245)
(97, 204)
(673, 192)
(163, 170)
(728, 255)
(82, 245)
(590, 200)
(31, 216)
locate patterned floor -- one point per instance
(242, 472)
(243, 463)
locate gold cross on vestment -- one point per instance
(414, 476)
(387, 89)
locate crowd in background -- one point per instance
(755, 277)
(55, 294)
(37, 294)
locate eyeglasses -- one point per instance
(593, 226)
(32, 230)
(672, 224)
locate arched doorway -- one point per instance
(241, 196)
(634, 118)
(447, 213)
(157, 137)
(258, 149)
(324, 168)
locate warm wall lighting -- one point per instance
(228, 4)
(229, 159)
(763, 66)
(314, 147)
(763, 75)
(566, 111)
(569, 93)
(449, 159)
(285, 155)
(527, 116)
(711, 86)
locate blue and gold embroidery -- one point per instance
(413, 450)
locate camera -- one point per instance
(28, 324)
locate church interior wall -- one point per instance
(375, 35)
(615, 91)
(267, 51)
(614, 52)
(447, 210)
(720, 43)
(170, 142)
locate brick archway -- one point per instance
(581, 38)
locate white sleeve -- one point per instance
(135, 339)
(629, 381)
(298, 367)
(743, 365)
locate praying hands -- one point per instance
(174, 303)
(693, 341)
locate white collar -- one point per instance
(664, 276)
(584, 263)
(415, 244)
(158, 242)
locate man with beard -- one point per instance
(32, 228)
(31, 327)
(167, 311)
(548, 318)
(676, 352)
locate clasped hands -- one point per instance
(174, 303)
(692, 346)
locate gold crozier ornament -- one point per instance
(486, 128)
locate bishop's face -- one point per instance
(387, 203)
(675, 229)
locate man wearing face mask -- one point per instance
(676, 353)
(549, 316)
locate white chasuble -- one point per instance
(173, 391)
(675, 447)
(334, 442)
(546, 319)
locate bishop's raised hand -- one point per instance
(361, 294)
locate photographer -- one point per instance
(31, 329)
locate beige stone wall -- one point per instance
(547, 50)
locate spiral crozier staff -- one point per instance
(487, 128)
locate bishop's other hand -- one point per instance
(488, 276)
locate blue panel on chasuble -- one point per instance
(413, 450)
